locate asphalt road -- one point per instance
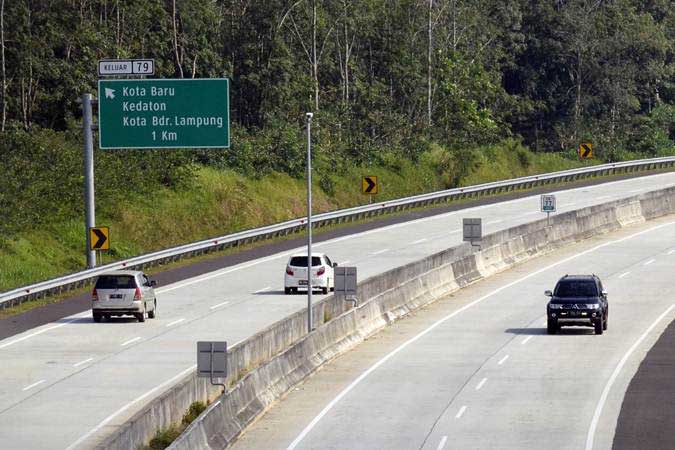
(68, 383)
(648, 410)
(477, 370)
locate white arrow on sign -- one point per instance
(109, 93)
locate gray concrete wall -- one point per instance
(268, 364)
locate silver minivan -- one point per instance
(124, 292)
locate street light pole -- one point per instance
(309, 116)
(89, 203)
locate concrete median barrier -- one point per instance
(267, 365)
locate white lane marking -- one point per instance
(33, 385)
(44, 330)
(419, 241)
(83, 362)
(137, 338)
(227, 271)
(605, 392)
(175, 322)
(379, 252)
(439, 322)
(480, 385)
(636, 190)
(649, 262)
(503, 360)
(266, 288)
(494, 222)
(218, 305)
(345, 262)
(127, 406)
(441, 444)
(625, 274)
(602, 197)
(461, 411)
(526, 340)
(671, 252)
(531, 213)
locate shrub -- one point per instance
(193, 412)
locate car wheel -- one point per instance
(324, 290)
(97, 317)
(599, 326)
(141, 316)
(551, 327)
(152, 314)
(288, 291)
(604, 323)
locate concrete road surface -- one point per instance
(477, 370)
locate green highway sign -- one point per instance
(164, 113)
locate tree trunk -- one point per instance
(118, 40)
(4, 73)
(315, 62)
(577, 101)
(344, 59)
(27, 85)
(175, 40)
(194, 66)
(454, 24)
(347, 54)
(429, 50)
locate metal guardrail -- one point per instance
(78, 279)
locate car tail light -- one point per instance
(289, 271)
(321, 271)
(137, 294)
(94, 295)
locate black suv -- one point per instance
(578, 300)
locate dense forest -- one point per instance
(386, 79)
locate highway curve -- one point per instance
(71, 382)
(477, 370)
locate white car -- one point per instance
(124, 293)
(322, 273)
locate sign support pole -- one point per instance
(213, 382)
(309, 222)
(89, 203)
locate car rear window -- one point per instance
(116, 282)
(576, 289)
(301, 261)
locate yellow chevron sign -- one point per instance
(585, 150)
(99, 238)
(369, 185)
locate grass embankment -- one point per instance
(219, 202)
